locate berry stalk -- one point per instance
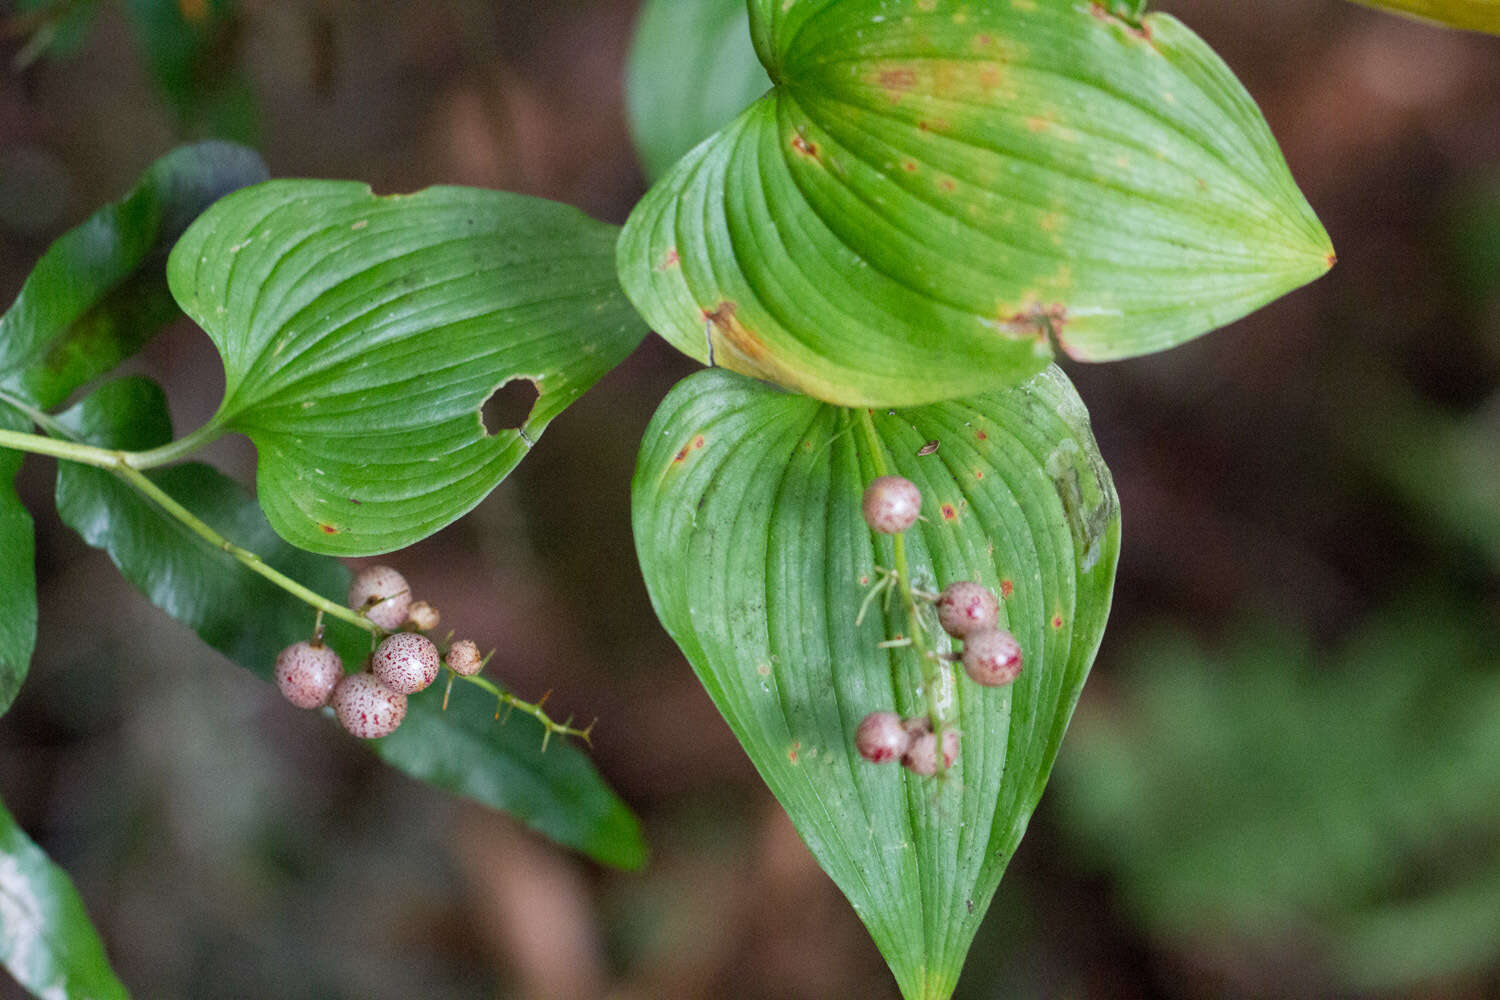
(937, 679)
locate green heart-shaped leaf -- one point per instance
(463, 750)
(750, 534)
(17, 571)
(937, 191)
(100, 292)
(1476, 15)
(361, 336)
(692, 68)
(48, 943)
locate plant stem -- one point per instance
(175, 450)
(936, 675)
(128, 466)
(249, 559)
(533, 709)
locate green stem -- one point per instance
(86, 454)
(176, 450)
(533, 709)
(249, 559)
(936, 675)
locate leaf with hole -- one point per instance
(692, 68)
(100, 292)
(48, 944)
(1476, 15)
(17, 571)
(362, 335)
(937, 195)
(749, 528)
(248, 619)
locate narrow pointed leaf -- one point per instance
(17, 571)
(100, 292)
(47, 942)
(1476, 15)
(692, 69)
(361, 336)
(748, 526)
(248, 619)
(937, 195)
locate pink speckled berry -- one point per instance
(881, 738)
(406, 662)
(307, 672)
(965, 608)
(464, 658)
(383, 594)
(922, 758)
(423, 615)
(992, 657)
(891, 504)
(366, 707)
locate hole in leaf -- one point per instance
(509, 406)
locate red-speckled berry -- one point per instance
(922, 758)
(306, 673)
(992, 657)
(366, 707)
(406, 662)
(464, 658)
(384, 595)
(891, 504)
(423, 615)
(965, 608)
(881, 738)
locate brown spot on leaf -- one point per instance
(1039, 320)
(740, 340)
(801, 145)
(671, 260)
(1007, 588)
(1057, 621)
(903, 78)
(910, 166)
(930, 448)
(948, 185)
(328, 529)
(949, 512)
(981, 435)
(1103, 13)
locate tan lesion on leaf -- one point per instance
(804, 146)
(733, 333)
(1140, 31)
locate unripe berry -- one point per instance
(922, 758)
(307, 673)
(881, 738)
(406, 662)
(965, 608)
(464, 658)
(423, 615)
(992, 657)
(366, 707)
(891, 504)
(383, 594)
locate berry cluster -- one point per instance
(967, 611)
(372, 703)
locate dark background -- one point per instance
(1284, 779)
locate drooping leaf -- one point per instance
(748, 526)
(1476, 15)
(17, 571)
(47, 942)
(239, 613)
(937, 193)
(100, 292)
(692, 68)
(361, 336)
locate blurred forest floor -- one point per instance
(1284, 779)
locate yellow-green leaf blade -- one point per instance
(1476, 15)
(937, 195)
(748, 526)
